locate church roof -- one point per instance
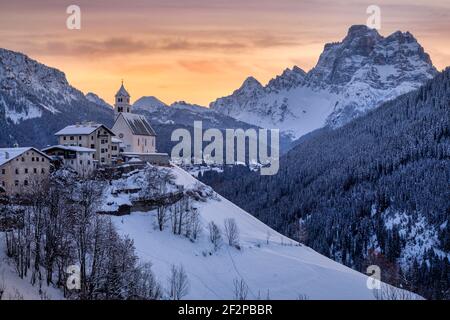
(122, 92)
(138, 124)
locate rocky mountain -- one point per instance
(36, 101)
(350, 78)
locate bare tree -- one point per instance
(240, 289)
(302, 232)
(2, 286)
(178, 283)
(232, 232)
(388, 292)
(215, 235)
(194, 225)
(161, 217)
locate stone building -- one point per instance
(92, 136)
(21, 169)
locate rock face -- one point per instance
(36, 101)
(350, 78)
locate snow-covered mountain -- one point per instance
(350, 78)
(92, 97)
(147, 103)
(36, 101)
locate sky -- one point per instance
(200, 50)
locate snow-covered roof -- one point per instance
(122, 92)
(7, 154)
(115, 140)
(81, 129)
(138, 124)
(69, 148)
(134, 160)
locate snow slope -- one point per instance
(282, 267)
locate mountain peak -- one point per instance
(251, 82)
(361, 30)
(148, 102)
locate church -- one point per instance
(133, 130)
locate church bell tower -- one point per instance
(122, 104)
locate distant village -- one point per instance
(84, 148)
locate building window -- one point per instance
(32, 159)
(3, 183)
(3, 171)
(43, 159)
(17, 171)
(80, 145)
(26, 170)
(92, 137)
(23, 159)
(25, 182)
(34, 170)
(102, 160)
(72, 138)
(16, 183)
(81, 162)
(43, 171)
(79, 138)
(64, 138)
(37, 159)
(93, 156)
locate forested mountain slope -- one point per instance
(379, 183)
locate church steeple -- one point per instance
(122, 104)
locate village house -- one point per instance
(92, 136)
(21, 169)
(134, 130)
(80, 159)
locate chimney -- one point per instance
(6, 155)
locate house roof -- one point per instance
(8, 154)
(115, 140)
(138, 124)
(69, 148)
(81, 129)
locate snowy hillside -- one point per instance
(16, 288)
(350, 78)
(267, 261)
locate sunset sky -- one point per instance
(198, 50)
